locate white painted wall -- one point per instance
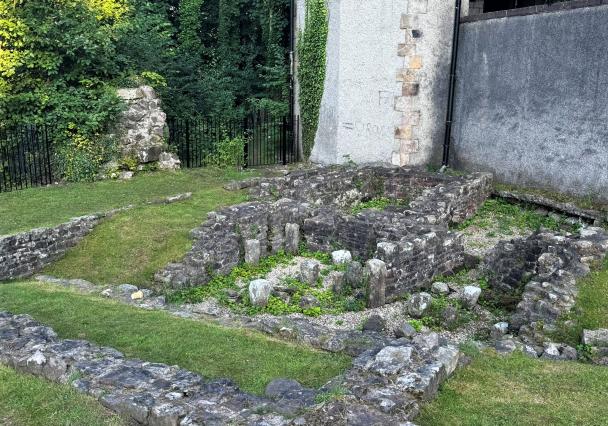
(358, 116)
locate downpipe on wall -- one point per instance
(452, 88)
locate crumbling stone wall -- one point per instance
(141, 126)
(414, 241)
(537, 276)
(23, 254)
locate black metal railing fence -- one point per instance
(268, 139)
(25, 157)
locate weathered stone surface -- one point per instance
(405, 330)
(376, 271)
(374, 323)
(597, 338)
(168, 161)
(334, 281)
(24, 254)
(385, 385)
(470, 296)
(253, 252)
(440, 288)
(340, 257)
(292, 237)
(391, 360)
(141, 126)
(259, 292)
(309, 301)
(309, 271)
(419, 304)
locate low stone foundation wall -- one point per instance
(537, 277)
(386, 384)
(412, 239)
(24, 254)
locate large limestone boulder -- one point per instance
(141, 126)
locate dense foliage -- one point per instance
(311, 70)
(62, 60)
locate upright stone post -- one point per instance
(376, 271)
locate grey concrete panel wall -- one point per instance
(386, 82)
(532, 100)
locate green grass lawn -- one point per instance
(250, 359)
(131, 246)
(517, 390)
(27, 400)
(591, 310)
(47, 206)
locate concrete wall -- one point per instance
(386, 81)
(532, 100)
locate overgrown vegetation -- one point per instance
(249, 358)
(591, 309)
(62, 60)
(517, 390)
(380, 203)
(312, 46)
(225, 288)
(501, 217)
(27, 400)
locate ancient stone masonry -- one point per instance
(23, 254)
(537, 277)
(413, 241)
(385, 385)
(141, 128)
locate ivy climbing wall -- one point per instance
(385, 81)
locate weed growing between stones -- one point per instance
(231, 290)
(380, 203)
(501, 217)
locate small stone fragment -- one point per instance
(499, 329)
(405, 330)
(429, 340)
(127, 288)
(309, 271)
(470, 296)
(419, 304)
(340, 257)
(440, 288)
(138, 295)
(259, 292)
(374, 323)
(308, 302)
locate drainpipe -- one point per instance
(450, 113)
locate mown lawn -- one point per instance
(131, 246)
(47, 206)
(27, 400)
(517, 390)
(250, 359)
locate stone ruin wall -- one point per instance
(24, 254)
(414, 242)
(141, 128)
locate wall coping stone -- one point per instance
(534, 10)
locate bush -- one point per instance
(229, 152)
